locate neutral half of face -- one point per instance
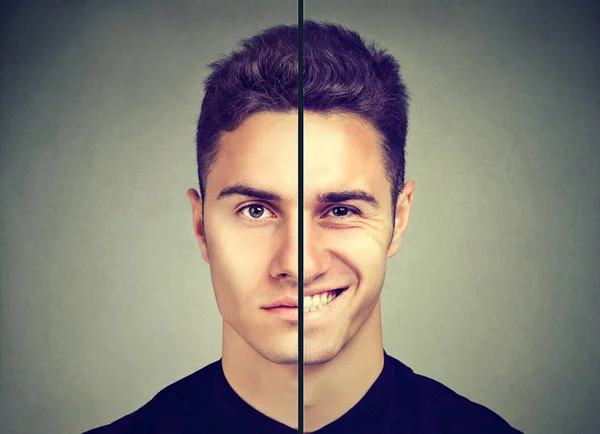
(251, 242)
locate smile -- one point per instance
(319, 301)
(314, 306)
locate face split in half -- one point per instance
(250, 237)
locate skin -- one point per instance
(251, 246)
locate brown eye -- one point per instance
(255, 212)
(340, 211)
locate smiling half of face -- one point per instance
(349, 231)
(250, 234)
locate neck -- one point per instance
(333, 388)
(270, 388)
(330, 389)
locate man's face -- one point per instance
(250, 236)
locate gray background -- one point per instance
(105, 299)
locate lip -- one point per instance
(311, 292)
(285, 302)
(292, 301)
(286, 308)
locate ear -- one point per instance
(198, 223)
(401, 217)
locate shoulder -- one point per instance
(442, 410)
(169, 409)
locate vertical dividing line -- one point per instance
(300, 216)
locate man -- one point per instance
(355, 209)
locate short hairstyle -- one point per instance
(342, 74)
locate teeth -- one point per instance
(318, 301)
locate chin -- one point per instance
(318, 354)
(279, 356)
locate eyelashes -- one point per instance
(350, 212)
(247, 211)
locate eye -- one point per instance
(342, 212)
(255, 211)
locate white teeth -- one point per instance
(307, 302)
(318, 301)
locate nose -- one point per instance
(316, 259)
(285, 262)
(284, 265)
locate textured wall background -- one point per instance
(105, 298)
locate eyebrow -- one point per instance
(347, 195)
(242, 189)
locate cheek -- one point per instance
(239, 260)
(364, 250)
(366, 242)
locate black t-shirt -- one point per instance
(399, 402)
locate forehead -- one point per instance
(341, 151)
